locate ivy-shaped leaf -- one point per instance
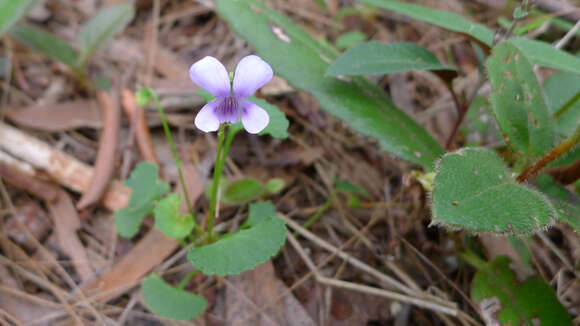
(474, 190)
(518, 102)
(171, 302)
(146, 188)
(241, 251)
(169, 219)
(506, 299)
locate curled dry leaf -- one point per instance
(104, 166)
(58, 117)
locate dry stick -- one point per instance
(451, 283)
(53, 262)
(362, 266)
(571, 33)
(558, 151)
(59, 166)
(308, 275)
(367, 289)
(105, 164)
(142, 134)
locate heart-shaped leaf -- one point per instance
(171, 302)
(146, 188)
(302, 61)
(506, 299)
(474, 190)
(443, 19)
(518, 102)
(241, 251)
(374, 58)
(169, 219)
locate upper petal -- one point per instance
(207, 119)
(254, 118)
(211, 75)
(251, 73)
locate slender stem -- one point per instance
(175, 156)
(186, 279)
(217, 174)
(558, 151)
(461, 111)
(318, 214)
(567, 106)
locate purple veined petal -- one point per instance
(254, 118)
(251, 73)
(206, 119)
(228, 110)
(211, 75)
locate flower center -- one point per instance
(229, 110)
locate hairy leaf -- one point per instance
(518, 102)
(474, 190)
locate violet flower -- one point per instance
(230, 104)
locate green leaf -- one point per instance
(544, 54)
(274, 186)
(303, 61)
(349, 39)
(242, 191)
(258, 212)
(349, 188)
(45, 43)
(171, 302)
(518, 102)
(474, 190)
(278, 126)
(241, 251)
(444, 19)
(12, 10)
(374, 58)
(563, 93)
(169, 219)
(567, 204)
(101, 28)
(145, 190)
(508, 300)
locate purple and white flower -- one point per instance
(230, 104)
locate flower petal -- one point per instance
(251, 73)
(207, 119)
(254, 118)
(211, 75)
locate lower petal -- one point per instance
(254, 118)
(206, 119)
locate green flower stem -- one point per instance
(175, 157)
(318, 213)
(217, 174)
(558, 151)
(186, 279)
